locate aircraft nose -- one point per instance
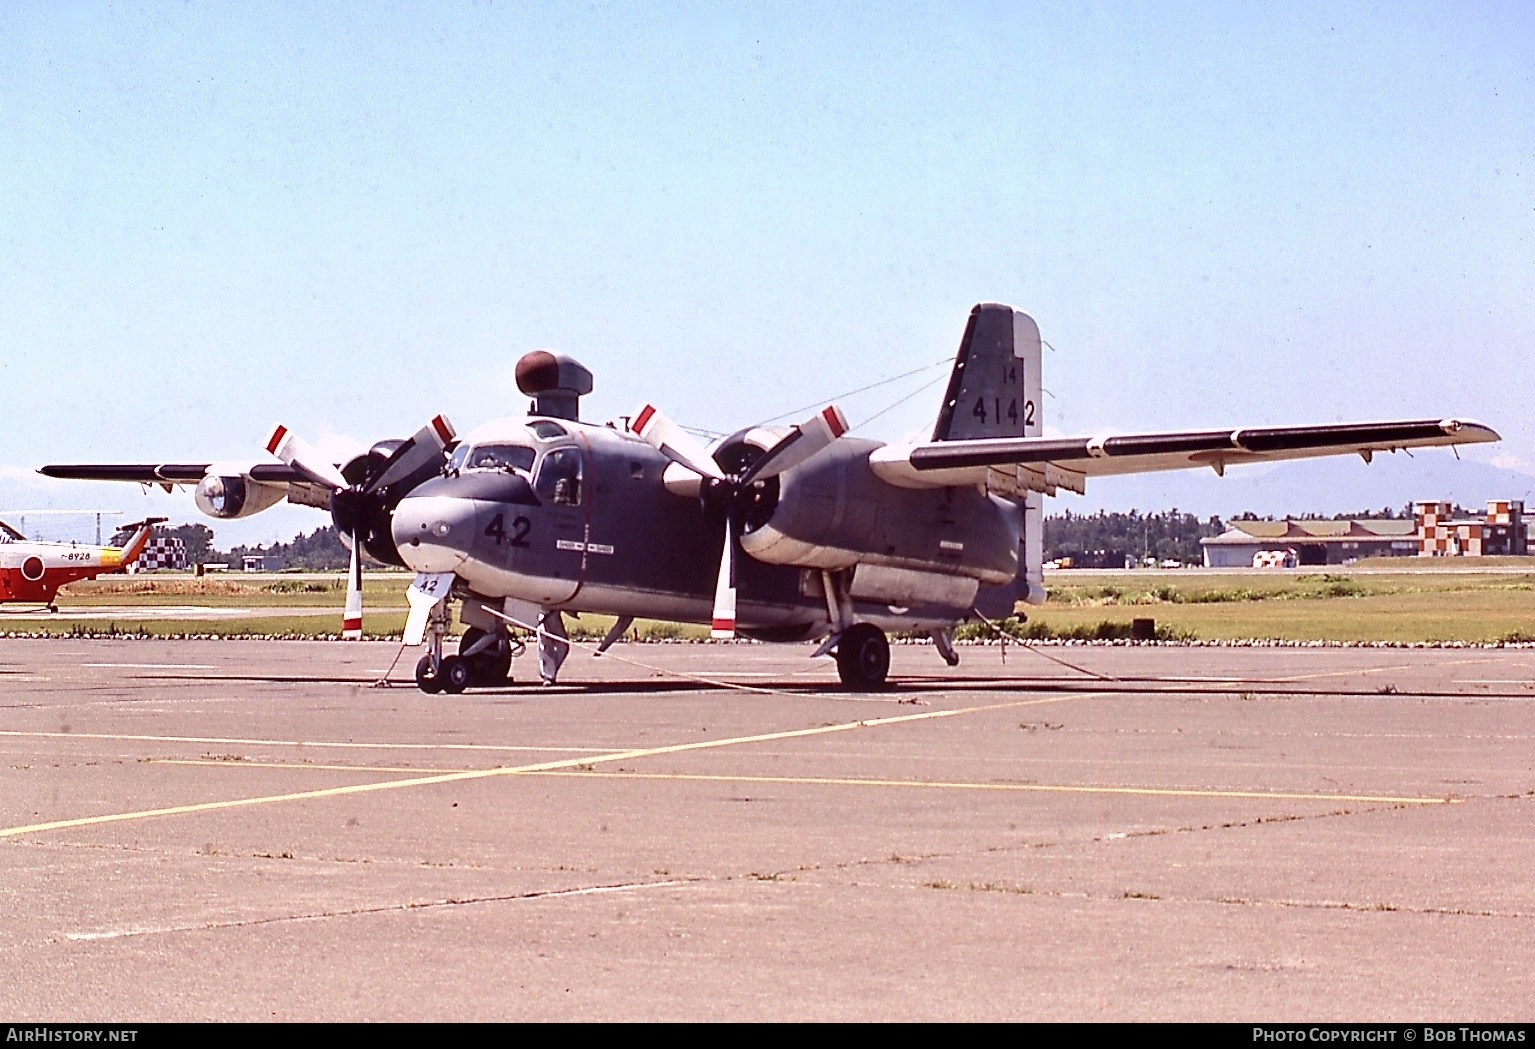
(434, 533)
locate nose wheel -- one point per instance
(863, 658)
(428, 679)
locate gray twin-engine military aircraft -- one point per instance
(844, 539)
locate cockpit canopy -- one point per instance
(558, 475)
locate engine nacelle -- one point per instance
(227, 491)
(833, 512)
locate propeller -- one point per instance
(799, 445)
(301, 455)
(361, 507)
(351, 619)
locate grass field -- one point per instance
(1440, 602)
(387, 589)
(1378, 605)
(383, 596)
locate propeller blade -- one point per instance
(799, 444)
(300, 454)
(351, 622)
(724, 625)
(422, 449)
(673, 441)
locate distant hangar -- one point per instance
(1435, 530)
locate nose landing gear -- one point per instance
(484, 660)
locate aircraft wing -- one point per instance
(1066, 461)
(163, 473)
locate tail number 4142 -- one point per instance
(998, 413)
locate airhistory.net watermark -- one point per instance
(49, 1033)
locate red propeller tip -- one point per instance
(834, 420)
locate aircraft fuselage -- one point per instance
(578, 517)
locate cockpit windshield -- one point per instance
(493, 456)
(9, 534)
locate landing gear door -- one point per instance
(428, 591)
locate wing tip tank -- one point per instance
(1469, 431)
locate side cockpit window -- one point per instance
(559, 477)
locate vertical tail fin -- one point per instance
(136, 543)
(994, 387)
(994, 391)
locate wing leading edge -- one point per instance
(1066, 461)
(163, 473)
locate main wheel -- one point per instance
(863, 658)
(427, 679)
(455, 675)
(490, 666)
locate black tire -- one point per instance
(454, 674)
(426, 680)
(863, 658)
(490, 667)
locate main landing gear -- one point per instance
(863, 658)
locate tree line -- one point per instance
(320, 550)
(1091, 540)
(1104, 540)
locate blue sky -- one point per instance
(352, 217)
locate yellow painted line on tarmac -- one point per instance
(853, 781)
(1058, 788)
(312, 743)
(545, 766)
(1374, 670)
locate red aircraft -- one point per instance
(34, 571)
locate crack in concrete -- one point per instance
(352, 912)
(1378, 907)
(206, 852)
